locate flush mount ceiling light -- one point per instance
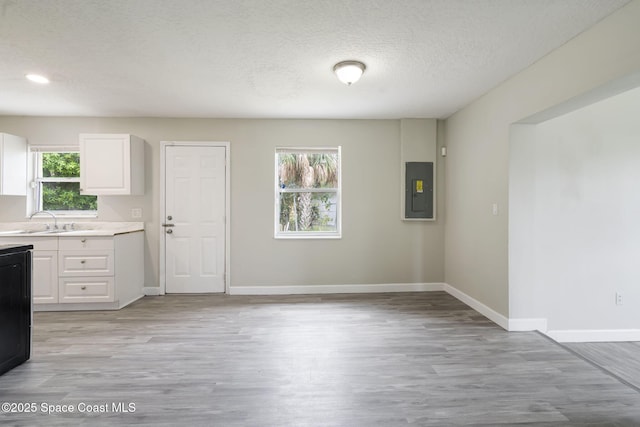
(349, 72)
(37, 78)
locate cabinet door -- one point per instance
(13, 165)
(45, 277)
(105, 167)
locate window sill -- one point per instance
(71, 215)
(313, 236)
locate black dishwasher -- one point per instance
(15, 305)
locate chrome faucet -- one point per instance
(55, 218)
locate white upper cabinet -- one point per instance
(111, 164)
(13, 165)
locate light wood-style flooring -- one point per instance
(621, 359)
(410, 359)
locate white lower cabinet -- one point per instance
(44, 260)
(85, 273)
(45, 277)
(45, 270)
(86, 269)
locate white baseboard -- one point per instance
(595, 335)
(335, 289)
(151, 290)
(487, 312)
(86, 306)
(523, 325)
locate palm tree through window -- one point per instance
(308, 192)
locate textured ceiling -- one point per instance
(273, 58)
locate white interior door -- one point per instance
(194, 228)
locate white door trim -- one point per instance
(227, 218)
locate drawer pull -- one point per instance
(83, 261)
(83, 288)
(83, 240)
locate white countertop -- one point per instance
(93, 228)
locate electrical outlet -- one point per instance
(618, 298)
(136, 213)
(494, 209)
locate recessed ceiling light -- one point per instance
(37, 78)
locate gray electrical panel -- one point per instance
(418, 190)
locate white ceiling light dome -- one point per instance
(349, 72)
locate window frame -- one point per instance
(34, 202)
(337, 234)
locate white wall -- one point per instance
(575, 208)
(477, 137)
(377, 247)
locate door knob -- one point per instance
(169, 231)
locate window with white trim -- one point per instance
(308, 192)
(56, 184)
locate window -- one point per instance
(308, 193)
(57, 184)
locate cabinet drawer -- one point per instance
(84, 243)
(86, 289)
(85, 263)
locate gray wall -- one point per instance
(477, 174)
(377, 247)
